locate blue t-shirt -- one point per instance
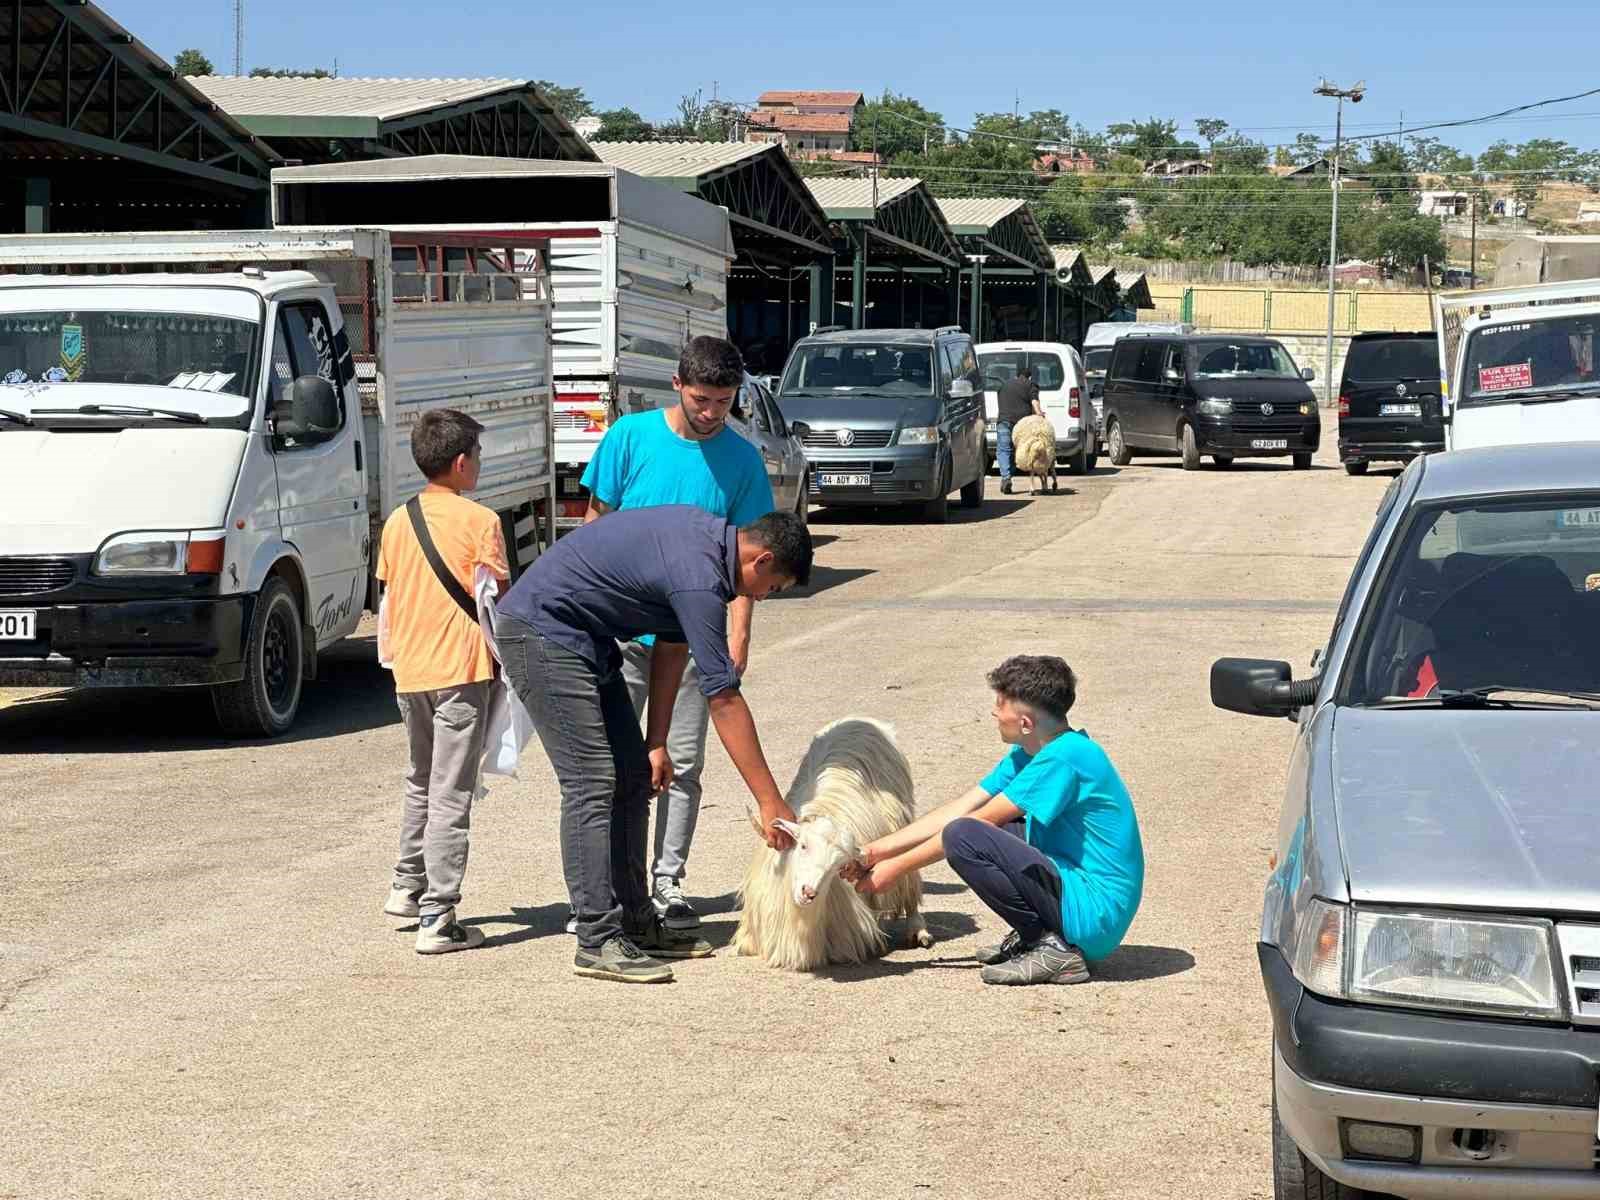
(1080, 816)
(641, 463)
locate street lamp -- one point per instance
(1352, 94)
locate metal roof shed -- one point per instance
(1003, 242)
(98, 133)
(335, 119)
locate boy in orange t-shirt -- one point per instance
(443, 673)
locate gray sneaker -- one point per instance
(1049, 960)
(620, 960)
(998, 952)
(660, 942)
(440, 933)
(671, 907)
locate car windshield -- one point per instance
(1096, 361)
(1000, 368)
(1214, 360)
(896, 370)
(1499, 596)
(1386, 359)
(1525, 357)
(177, 352)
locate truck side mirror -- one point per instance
(1259, 687)
(307, 411)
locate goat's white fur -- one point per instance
(856, 783)
(1033, 448)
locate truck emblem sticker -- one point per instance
(1267, 410)
(1399, 389)
(845, 437)
(73, 352)
(330, 614)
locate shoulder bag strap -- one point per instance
(447, 580)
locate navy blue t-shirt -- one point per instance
(669, 570)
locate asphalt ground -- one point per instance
(200, 997)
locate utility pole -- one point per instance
(1472, 283)
(238, 37)
(1353, 94)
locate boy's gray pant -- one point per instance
(679, 808)
(446, 730)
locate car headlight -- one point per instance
(197, 552)
(1483, 964)
(919, 435)
(1215, 406)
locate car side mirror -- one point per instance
(1308, 373)
(961, 389)
(307, 411)
(799, 429)
(1173, 374)
(1259, 687)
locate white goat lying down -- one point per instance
(853, 785)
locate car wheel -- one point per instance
(1224, 461)
(972, 494)
(264, 703)
(1295, 1177)
(1302, 461)
(1078, 464)
(802, 502)
(1089, 461)
(937, 510)
(1356, 468)
(1191, 448)
(1118, 447)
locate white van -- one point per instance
(1058, 371)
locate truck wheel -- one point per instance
(1294, 1177)
(1356, 468)
(265, 701)
(972, 494)
(1302, 462)
(1191, 448)
(1117, 447)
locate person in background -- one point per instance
(1018, 398)
(443, 672)
(1048, 840)
(685, 454)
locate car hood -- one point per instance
(1479, 809)
(852, 408)
(1255, 388)
(66, 492)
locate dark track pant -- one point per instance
(1010, 876)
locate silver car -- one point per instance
(756, 417)
(1430, 939)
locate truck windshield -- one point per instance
(1504, 362)
(860, 367)
(1498, 598)
(1214, 360)
(194, 352)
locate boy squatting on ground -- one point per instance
(443, 672)
(1068, 882)
(685, 454)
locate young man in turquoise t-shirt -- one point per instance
(1068, 881)
(685, 454)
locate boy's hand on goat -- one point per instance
(771, 813)
(858, 867)
(661, 772)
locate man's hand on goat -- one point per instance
(775, 837)
(861, 866)
(880, 878)
(661, 772)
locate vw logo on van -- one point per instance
(1266, 410)
(1399, 389)
(846, 437)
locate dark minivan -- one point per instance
(1389, 399)
(893, 416)
(1225, 395)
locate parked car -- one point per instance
(1430, 937)
(1098, 341)
(1058, 373)
(894, 416)
(1226, 395)
(756, 417)
(1389, 399)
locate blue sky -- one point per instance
(1250, 62)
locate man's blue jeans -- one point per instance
(1002, 449)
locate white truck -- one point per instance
(637, 268)
(201, 433)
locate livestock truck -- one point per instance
(637, 268)
(202, 432)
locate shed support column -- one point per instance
(35, 205)
(953, 282)
(900, 278)
(821, 293)
(858, 285)
(1044, 307)
(976, 314)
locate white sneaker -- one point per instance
(440, 933)
(671, 907)
(401, 903)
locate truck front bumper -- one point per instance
(1499, 1108)
(133, 643)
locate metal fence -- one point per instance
(1276, 310)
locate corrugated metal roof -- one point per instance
(847, 199)
(1066, 257)
(679, 160)
(809, 98)
(978, 214)
(376, 99)
(439, 166)
(1101, 274)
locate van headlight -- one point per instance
(1308, 408)
(919, 435)
(1215, 406)
(1482, 964)
(196, 552)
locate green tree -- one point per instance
(1211, 128)
(570, 102)
(1080, 209)
(1307, 148)
(1430, 155)
(192, 62)
(1240, 155)
(1150, 140)
(288, 73)
(1389, 171)
(623, 125)
(901, 125)
(1405, 241)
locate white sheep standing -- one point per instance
(854, 785)
(1033, 449)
